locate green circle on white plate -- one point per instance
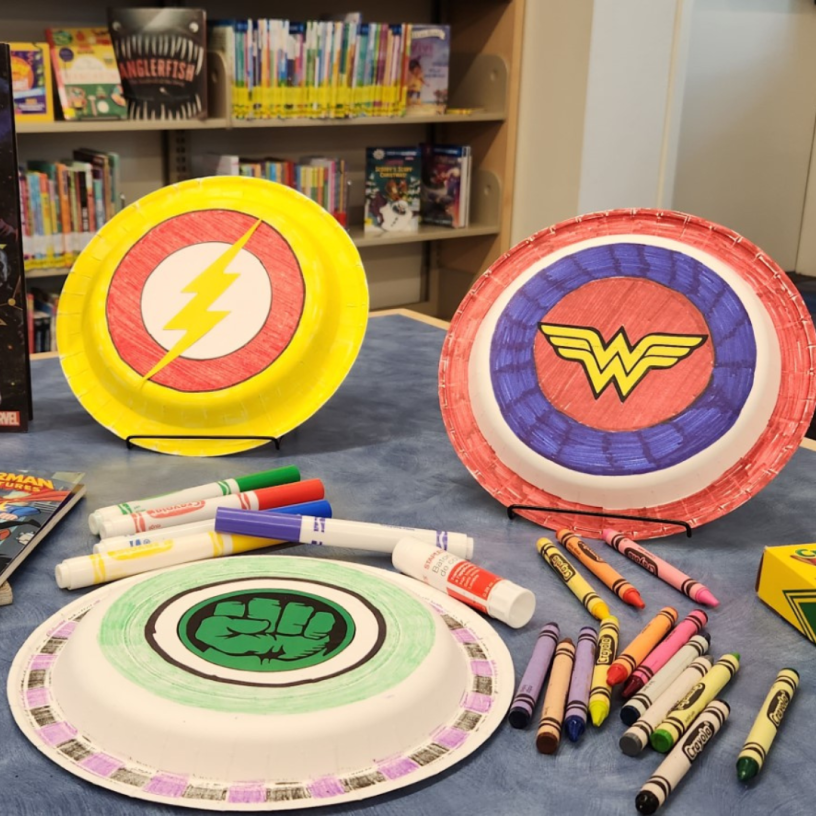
(409, 636)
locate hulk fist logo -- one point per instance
(266, 630)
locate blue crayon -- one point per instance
(521, 710)
(576, 714)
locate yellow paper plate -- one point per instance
(218, 306)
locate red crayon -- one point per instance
(662, 569)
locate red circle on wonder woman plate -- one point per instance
(171, 258)
(644, 308)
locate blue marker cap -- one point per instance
(320, 509)
(258, 523)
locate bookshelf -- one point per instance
(428, 271)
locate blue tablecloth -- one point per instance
(382, 451)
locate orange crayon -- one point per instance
(600, 568)
(555, 700)
(635, 653)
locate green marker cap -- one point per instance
(747, 768)
(268, 478)
(662, 741)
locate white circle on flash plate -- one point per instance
(247, 299)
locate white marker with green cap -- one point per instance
(239, 484)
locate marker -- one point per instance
(600, 568)
(319, 508)
(575, 582)
(634, 654)
(696, 699)
(767, 722)
(174, 515)
(677, 764)
(336, 532)
(578, 696)
(552, 715)
(90, 570)
(690, 626)
(600, 694)
(637, 705)
(637, 737)
(240, 484)
(660, 568)
(532, 681)
(498, 597)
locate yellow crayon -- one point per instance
(767, 722)
(89, 570)
(575, 582)
(600, 693)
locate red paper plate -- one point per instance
(635, 362)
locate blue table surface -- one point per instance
(381, 449)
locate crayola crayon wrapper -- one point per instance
(786, 582)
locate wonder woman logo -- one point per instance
(618, 362)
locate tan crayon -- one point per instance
(555, 700)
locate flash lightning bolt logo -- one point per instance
(196, 319)
(618, 362)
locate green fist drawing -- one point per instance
(248, 635)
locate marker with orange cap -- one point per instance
(597, 566)
(635, 653)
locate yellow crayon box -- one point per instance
(786, 581)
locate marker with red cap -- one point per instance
(597, 566)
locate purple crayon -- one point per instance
(578, 696)
(690, 626)
(521, 711)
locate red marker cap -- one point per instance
(295, 493)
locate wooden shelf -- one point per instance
(426, 232)
(389, 121)
(127, 125)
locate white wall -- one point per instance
(748, 115)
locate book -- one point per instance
(162, 58)
(88, 81)
(427, 74)
(446, 185)
(31, 81)
(15, 378)
(31, 505)
(392, 189)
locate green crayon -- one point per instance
(689, 707)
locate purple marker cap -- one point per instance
(257, 523)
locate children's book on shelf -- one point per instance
(446, 185)
(323, 179)
(31, 81)
(162, 57)
(31, 505)
(428, 67)
(392, 189)
(15, 379)
(88, 80)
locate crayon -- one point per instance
(600, 568)
(634, 654)
(637, 705)
(677, 764)
(575, 582)
(689, 707)
(532, 681)
(600, 694)
(552, 714)
(90, 570)
(690, 626)
(336, 532)
(767, 722)
(578, 696)
(637, 737)
(239, 484)
(322, 508)
(660, 568)
(172, 516)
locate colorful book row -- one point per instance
(62, 204)
(318, 69)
